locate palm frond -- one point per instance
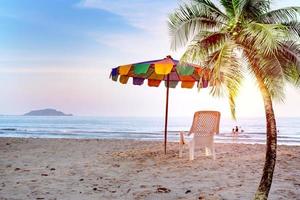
(228, 5)
(267, 70)
(289, 57)
(202, 46)
(266, 37)
(233, 76)
(212, 7)
(290, 50)
(212, 41)
(293, 28)
(233, 92)
(252, 9)
(233, 8)
(188, 21)
(282, 15)
(226, 72)
(273, 76)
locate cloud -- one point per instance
(150, 16)
(150, 39)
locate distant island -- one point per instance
(46, 112)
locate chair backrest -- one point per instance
(208, 121)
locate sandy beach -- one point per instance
(128, 169)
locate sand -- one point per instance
(127, 169)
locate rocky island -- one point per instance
(46, 112)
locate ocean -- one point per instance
(140, 128)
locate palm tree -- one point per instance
(243, 37)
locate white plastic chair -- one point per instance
(205, 126)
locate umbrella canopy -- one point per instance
(166, 70)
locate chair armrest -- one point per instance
(185, 134)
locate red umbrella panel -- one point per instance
(166, 70)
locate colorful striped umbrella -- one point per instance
(166, 70)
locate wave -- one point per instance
(173, 136)
(8, 129)
(137, 128)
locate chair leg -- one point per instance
(192, 150)
(213, 152)
(181, 144)
(180, 149)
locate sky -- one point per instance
(58, 54)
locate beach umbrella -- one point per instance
(166, 70)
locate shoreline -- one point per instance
(35, 168)
(230, 140)
(144, 128)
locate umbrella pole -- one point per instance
(166, 115)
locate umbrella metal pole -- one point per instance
(166, 115)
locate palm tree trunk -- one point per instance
(267, 176)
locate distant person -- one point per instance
(234, 134)
(233, 131)
(236, 130)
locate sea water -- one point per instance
(141, 128)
